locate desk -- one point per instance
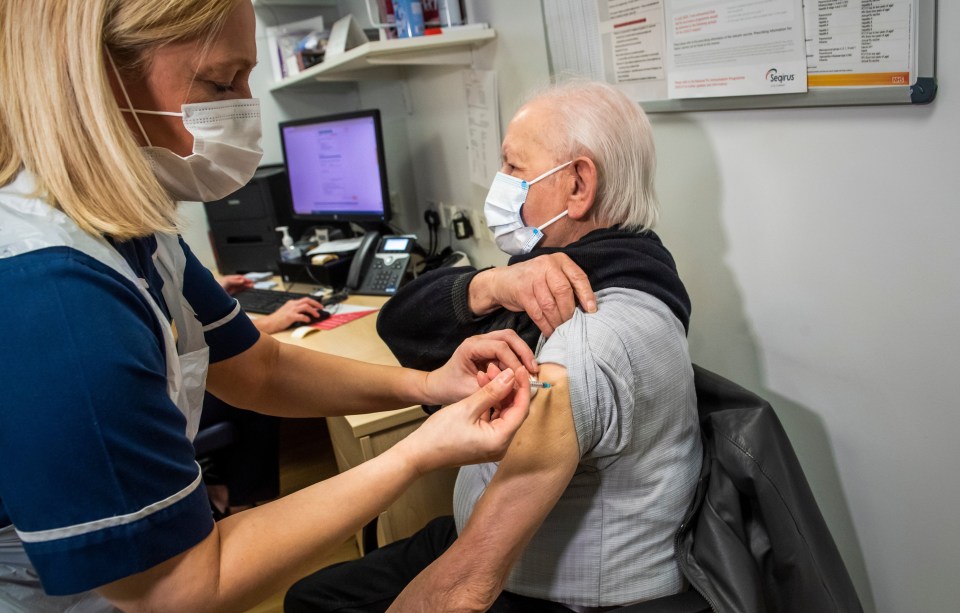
(358, 438)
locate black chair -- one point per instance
(214, 438)
(240, 450)
(689, 601)
(754, 539)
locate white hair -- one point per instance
(599, 121)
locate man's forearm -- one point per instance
(502, 524)
(473, 571)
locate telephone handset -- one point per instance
(380, 264)
(361, 259)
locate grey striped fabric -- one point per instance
(609, 539)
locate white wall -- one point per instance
(433, 166)
(818, 247)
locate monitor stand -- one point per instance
(337, 230)
(312, 234)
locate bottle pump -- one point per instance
(288, 252)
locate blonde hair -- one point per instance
(58, 115)
(598, 120)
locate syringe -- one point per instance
(536, 386)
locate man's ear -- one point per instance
(583, 192)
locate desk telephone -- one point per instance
(380, 264)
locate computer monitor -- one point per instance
(336, 168)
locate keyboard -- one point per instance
(267, 301)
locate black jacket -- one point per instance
(754, 539)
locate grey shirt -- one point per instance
(609, 539)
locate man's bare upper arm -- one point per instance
(532, 476)
(534, 473)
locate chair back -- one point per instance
(754, 539)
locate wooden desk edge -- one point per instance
(364, 425)
(369, 423)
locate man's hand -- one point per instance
(546, 288)
(457, 378)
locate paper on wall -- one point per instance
(572, 37)
(634, 46)
(483, 125)
(861, 44)
(735, 48)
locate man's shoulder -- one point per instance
(623, 313)
(631, 332)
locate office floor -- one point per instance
(306, 457)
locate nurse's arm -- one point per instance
(259, 552)
(256, 553)
(289, 381)
(536, 470)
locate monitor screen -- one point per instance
(335, 165)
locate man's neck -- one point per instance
(570, 232)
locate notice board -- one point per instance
(692, 55)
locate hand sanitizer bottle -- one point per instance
(288, 252)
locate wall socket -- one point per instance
(479, 223)
(447, 213)
(442, 213)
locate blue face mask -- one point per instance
(502, 212)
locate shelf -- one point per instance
(382, 60)
(300, 3)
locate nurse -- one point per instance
(110, 329)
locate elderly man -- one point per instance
(582, 511)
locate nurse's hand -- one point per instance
(457, 378)
(234, 284)
(476, 429)
(292, 311)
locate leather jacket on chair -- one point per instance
(754, 539)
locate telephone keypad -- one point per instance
(386, 272)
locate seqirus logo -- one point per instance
(774, 77)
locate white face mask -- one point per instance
(502, 211)
(226, 148)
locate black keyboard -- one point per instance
(266, 301)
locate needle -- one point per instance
(536, 386)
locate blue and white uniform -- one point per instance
(104, 355)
